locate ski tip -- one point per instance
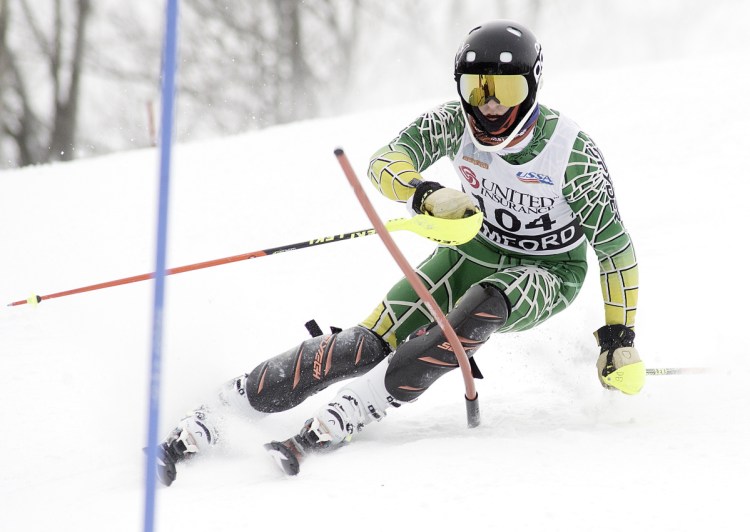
(338, 152)
(166, 470)
(284, 457)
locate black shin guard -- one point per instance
(286, 380)
(419, 362)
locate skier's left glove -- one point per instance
(619, 365)
(433, 198)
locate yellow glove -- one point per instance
(619, 366)
(432, 198)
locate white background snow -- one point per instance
(554, 452)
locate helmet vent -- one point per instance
(506, 57)
(471, 56)
(514, 31)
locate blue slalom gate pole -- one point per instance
(169, 67)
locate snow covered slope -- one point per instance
(554, 451)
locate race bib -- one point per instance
(525, 210)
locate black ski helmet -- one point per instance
(499, 48)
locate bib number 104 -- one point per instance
(510, 222)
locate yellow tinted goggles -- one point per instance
(477, 89)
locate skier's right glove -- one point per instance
(619, 365)
(433, 198)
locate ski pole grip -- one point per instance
(473, 418)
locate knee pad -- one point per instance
(421, 360)
(286, 380)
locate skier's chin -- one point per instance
(490, 138)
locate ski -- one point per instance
(286, 454)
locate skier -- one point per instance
(544, 190)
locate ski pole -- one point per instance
(34, 299)
(676, 371)
(455, 233)
(472, 399)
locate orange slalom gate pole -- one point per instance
(472, 403)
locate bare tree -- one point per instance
(66, 79)
(262, 63)
(41, 64)
(243, 65)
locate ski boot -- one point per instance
(289, 453)
(360, 402)
(333, 427)
(193, 434)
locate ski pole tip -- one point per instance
(472, 412)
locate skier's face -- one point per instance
(493, 109)
(496, 115)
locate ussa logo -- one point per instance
(533, 177)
